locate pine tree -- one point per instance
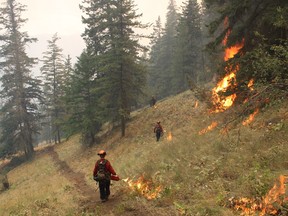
(111, 37)
(82, 101)
(262, 26)
(208, 14)
(68, 70)
(155, 60)
(189, 48)
(162, 63)
(21, 93)
(53, 72)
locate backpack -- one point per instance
(158, 129)
(103, 173)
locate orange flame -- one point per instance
(209, 128)
(169, 136)
(196, 104)
(250, 84)
(274, 196)
(223, 103)
(145, 187)
(277, 195)
(230, 52)
(250, 118)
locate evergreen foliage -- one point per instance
(189, 46)
(262, 24)
(54, 76)
(111, 39)
(20, 92)
(176, 57)
(163, 55)
(85, 114)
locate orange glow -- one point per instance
(246, 100)
(222, 103)
(230, 52)
(250, 84)
(196, 104)
(225, 82)
(169, 136)
(209, 128)
(250, 118)
(144, 187)
(268, 204)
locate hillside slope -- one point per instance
(197, 171)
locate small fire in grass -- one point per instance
(268, 205)
(169, 136)
(209, 128)
(145, 187)
(196, 104)
(250, 84)
(250, 118)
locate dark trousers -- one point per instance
(158, 135)
(104, 188)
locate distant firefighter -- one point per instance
(152, 101)
(158, 130)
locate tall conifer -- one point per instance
(162, 62)
(189, 47)
(111, 38)
(20, 92)
(53, 72)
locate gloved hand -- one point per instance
(115, 177)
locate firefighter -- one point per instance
(152, 101)
(158, 130)
(102, 174)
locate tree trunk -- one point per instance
(123, 125)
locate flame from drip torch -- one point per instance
(145, 187)
(169, 136)
(266, 206)
(209, 128)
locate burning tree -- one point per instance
(261, 58)
(221, 102)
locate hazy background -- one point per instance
(47, 17)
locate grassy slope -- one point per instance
(198, 172)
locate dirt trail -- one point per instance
(90, 201)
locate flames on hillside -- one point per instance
(144, 187)
(169, 136)
(209, 128)
(250, 118)
(270, 204)
(221, 99)
(220, 102)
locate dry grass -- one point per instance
(197, 172)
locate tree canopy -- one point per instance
(20, 91)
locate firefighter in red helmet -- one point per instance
(102, 174)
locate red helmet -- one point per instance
(101, 152)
